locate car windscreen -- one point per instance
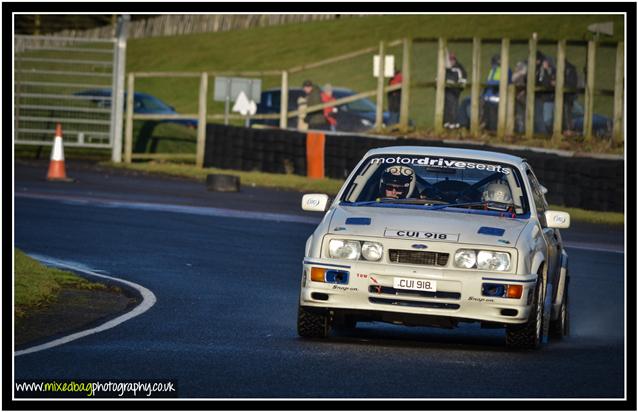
(153, 104)
(439, 182)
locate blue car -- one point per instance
(143, 103)
(351, 117)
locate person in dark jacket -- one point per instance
(316, 119)
(546, 80)
(455, 80)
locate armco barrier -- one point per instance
(583, 182)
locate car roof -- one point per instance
(299, 89)
(107, 92)
(448, 151)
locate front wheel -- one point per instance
(529, 335)
(559, 328)
(312, 325)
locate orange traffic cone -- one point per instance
(57, 170)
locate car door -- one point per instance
(551, 236)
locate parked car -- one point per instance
(601, 125)
(355, 116)
(143, 103)
(425, 236)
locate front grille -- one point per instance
(418, 257)
(387, 290)
(411, 303)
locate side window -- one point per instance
(537, 195)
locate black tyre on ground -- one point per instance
(559, 328)
(529, 335)
(312, 325)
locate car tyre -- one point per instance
(529, 335)
(559, 328)
(312, 325)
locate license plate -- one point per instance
(415, 284)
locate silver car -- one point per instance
(425, 236)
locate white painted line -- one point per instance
(163, 207)
(148, 300)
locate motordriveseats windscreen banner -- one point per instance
(440, 162)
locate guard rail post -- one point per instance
(558, 91)
(502, 88)
(128, 136)
(201, 121)
(405, 86)
(531, 86)
(589, 89)
(378, 122)
(476, 87)
(439, 102)
(617, 133)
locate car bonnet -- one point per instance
(424, 225)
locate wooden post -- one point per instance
(439, 102)
(404, 115)
(201, 121)
(283, 114)
(531, 85)
(617, 133)
(559, 90)
(502, 88)
(589, 89)
(128, 133)
(476, 87)
(510, 118)
(378, 122)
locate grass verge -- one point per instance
(328, 186)
(37, 285)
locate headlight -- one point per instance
(487, 260)
(344, 249)
(465, 258)
(482, 259)
(372, 251)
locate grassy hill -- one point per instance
(286, 46)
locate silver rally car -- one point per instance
(429, 236)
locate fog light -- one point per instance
(493, 289)
(337, 276)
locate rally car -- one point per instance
(430, 236)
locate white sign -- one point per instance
(244, 106)
(388, 68)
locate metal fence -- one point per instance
(72, 81)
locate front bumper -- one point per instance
(458, 294)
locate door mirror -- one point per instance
(543, 189)
(315, 202)
(557, 220)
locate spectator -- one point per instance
(329, 112)
(571, 84)
(491, 93)
(543, 100)
(519, 78)
(455, 80)
(394, 97)
(316, 119)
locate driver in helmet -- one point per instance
(396, 182)
(497, 192)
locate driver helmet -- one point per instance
(398, 180)
(497, 192)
